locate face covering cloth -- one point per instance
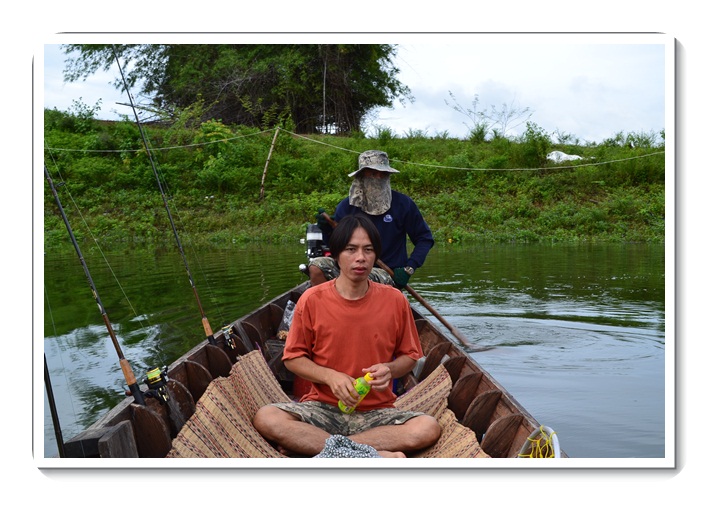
(371, 195)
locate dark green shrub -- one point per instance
(533, 147)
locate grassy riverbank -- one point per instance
(234, 185)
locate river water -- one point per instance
(577, 334)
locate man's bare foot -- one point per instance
(391, 455)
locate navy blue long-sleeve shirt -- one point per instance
(401, 220)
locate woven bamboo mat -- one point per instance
(222, 427)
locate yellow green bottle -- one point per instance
(363, 387)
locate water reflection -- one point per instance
(576, 334)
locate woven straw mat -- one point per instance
(222, 427)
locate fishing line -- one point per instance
(206, 324)
(124, 364)
(197, 261)
(125, 367)
(53, 411)
(209, 289)
(97, 244)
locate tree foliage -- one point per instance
(316, 88)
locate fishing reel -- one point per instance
(229, 336)
(157, 381)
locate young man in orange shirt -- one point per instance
(341, 330)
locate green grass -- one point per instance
(470, 191)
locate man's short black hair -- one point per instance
(344, 231)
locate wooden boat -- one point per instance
(202, 404)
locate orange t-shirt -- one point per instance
(349, 335)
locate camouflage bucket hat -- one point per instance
(375, 160)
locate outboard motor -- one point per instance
(314, 242)
(314, 246)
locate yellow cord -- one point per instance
(541, 448)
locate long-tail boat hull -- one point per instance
(501, 427)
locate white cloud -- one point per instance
(589, 87)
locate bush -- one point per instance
(533, 148)
(497, 191)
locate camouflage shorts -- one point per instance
(332, 420)
(330, 270)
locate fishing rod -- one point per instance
(206, 323)
(54, 410)
(124, 364)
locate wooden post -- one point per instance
(265, 170)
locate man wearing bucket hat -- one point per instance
(396, 216)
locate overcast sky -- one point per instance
(588, 86)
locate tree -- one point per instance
(319, 88)
(148, 61)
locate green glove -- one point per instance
(320, 219)
(401, 277)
